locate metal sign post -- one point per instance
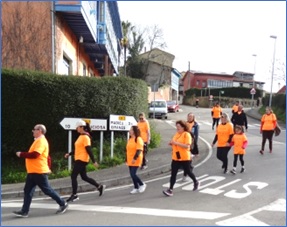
(95, 124)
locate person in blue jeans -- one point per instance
(37, 166)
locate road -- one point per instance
(254, 198)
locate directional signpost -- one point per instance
(95, 124)
(120, 123)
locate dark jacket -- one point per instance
(239, 119)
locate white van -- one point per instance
(158, 108)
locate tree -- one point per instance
(26, 35)
(127, 28)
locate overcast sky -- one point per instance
(217, 36)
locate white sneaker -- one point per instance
(184, 179)
(134, 191)
(142, 188)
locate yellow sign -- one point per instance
(88, 121)
(122, 118)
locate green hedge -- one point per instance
(30, 98)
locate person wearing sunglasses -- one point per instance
(37, 167)
(144, 128)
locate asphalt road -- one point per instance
(254, 198)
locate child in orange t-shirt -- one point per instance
(239, 140)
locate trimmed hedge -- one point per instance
(30, 98)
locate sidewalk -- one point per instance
(159, 163)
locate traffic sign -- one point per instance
(95, 124)
(253, 91)
(211, 97)
(121, 122)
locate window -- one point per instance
(197, 83)
(84, 70)
(66, 66)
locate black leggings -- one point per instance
(240, 158)
(222, 155)
(80, 168)
(215, 122)
(145, 150)
(267, 134)
(175, 166)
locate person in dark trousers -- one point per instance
(193, 128)
(216, 112)
(239, 118)
(83, 153)
(134, 157)
(181, 156)
(37, 166)
(144, 128)
(239, 141)
(223, 136)
(268, 124)
(196, 102)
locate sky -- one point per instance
(218, 36)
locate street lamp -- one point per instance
(253, 84)
(270, 97)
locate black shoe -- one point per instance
(242, 170)
(261, 152)
(168, 192)
(20, 214)
(102, 189)
(72, 198)
(225, 171)
(196, 184)
(62, 209)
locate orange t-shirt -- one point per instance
(131, 149)
(40, 164)
(184, 153)
(80, 148)
(268, 121)
(238, 140)
(190, 125)
(216, 112)
(144, 129)
(223, 133)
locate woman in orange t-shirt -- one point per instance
(82, 155)
(268, 124)
(134, 158)
(223, 136)
(216, 113)
(181, 156)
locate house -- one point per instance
(282, 90)
(162, 78)
(62, 37)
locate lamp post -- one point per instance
(253, 84)
(270, 97)
(220, 92)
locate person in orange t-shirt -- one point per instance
(239, 140)
(223, 136)
(37, 167)
(216, 113)
(134, 157)
(181, 156)
(144, 128)
(235, 107)
(82, 155)
(268, 124)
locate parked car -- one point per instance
(158, 108)
(172, 106)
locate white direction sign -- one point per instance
(95, 124)
(121, 122)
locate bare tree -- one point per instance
(26, 35)
(280, 71)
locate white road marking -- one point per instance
(248, 220)
(131, 210)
